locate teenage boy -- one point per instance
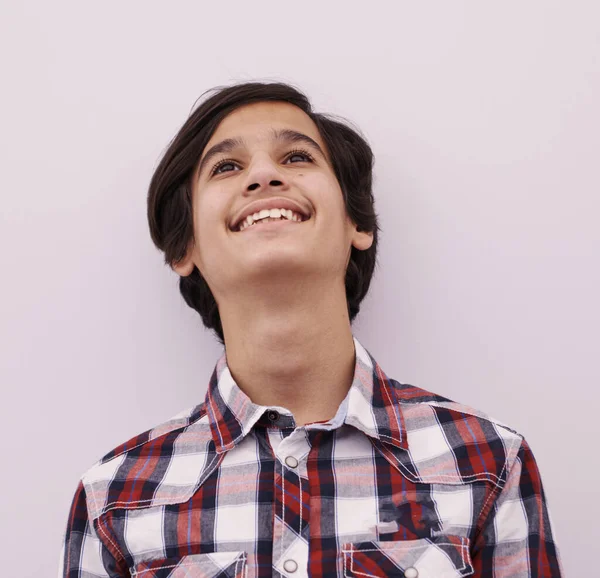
(305, 459)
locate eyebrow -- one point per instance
(280, 135)
(293, 136)
(223, 147)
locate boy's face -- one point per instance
(273, 152)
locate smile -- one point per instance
(271, 216)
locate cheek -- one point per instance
(210, 210)
(321, 186)
(209, 220)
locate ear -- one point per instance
(362, 240)
(185, 265)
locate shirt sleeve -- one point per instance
(83, 554)
(516, 539)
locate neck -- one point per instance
(289, 350)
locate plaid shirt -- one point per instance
(401, 482)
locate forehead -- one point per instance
(254, 122)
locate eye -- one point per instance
(224, 166)
(299, 156)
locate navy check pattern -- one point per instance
(400, 482)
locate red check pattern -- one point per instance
(400, 479)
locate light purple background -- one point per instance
(485, 124)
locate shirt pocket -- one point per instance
(442, 556)
(216, 565)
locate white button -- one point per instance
(291, 462)
(411, 573)
(290, 566)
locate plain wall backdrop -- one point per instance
(484, 119)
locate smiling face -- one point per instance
(263, 156)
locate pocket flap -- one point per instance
(442, 556)
(215, 565)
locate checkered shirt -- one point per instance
(401, 482)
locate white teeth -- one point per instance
(267, 215)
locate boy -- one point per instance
(305, 458)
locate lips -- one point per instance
(270, 203)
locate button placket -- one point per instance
(296, 448)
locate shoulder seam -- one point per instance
(475, 413)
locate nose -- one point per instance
(263, 173)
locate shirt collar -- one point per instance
(371, 405)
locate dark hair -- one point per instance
(170, 213)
